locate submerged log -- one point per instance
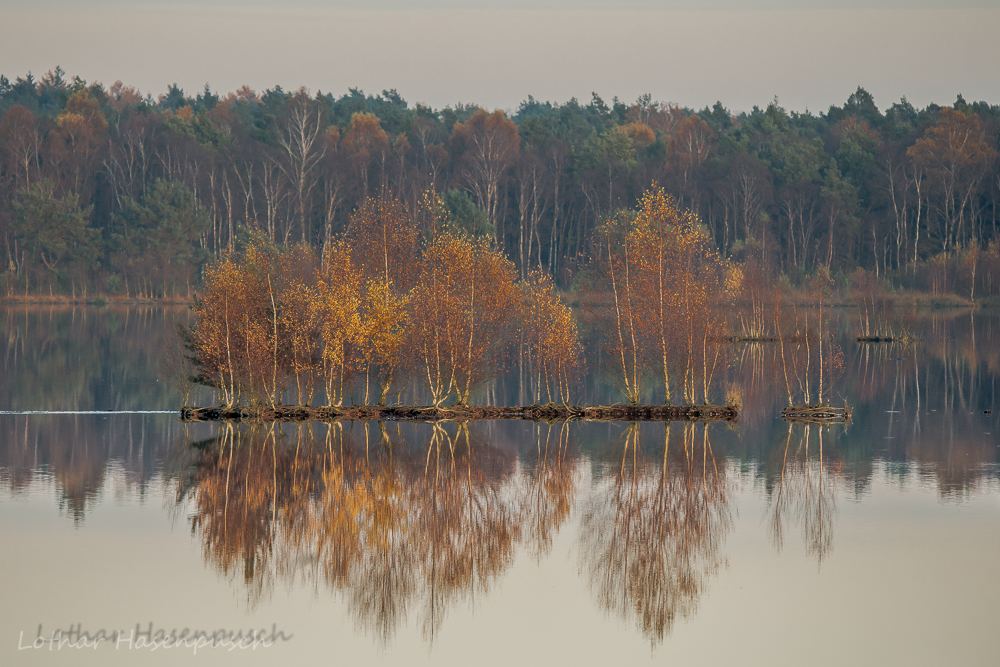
(547, 412)
(817, 414)
(905, 337)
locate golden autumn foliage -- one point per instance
(381, 307)
(336, 306)
(551, 339)
(466, 306)
(406, 299)
(640, 134)
(661, 288)
(384, 327)
(236, 342)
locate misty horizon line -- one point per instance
(247, 93)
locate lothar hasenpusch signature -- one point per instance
(151, 638)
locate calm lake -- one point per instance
(505, 543)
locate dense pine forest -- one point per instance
(106, 191)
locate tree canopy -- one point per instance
(856, 186)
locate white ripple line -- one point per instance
(88, 412)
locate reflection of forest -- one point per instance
(86, 358)
(396, 521)
(79, 452)
(937, 394)
(653, 530)
(928, 399)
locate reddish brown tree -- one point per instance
(490, 142)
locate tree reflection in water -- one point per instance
(805, 492)
(234, 491)
(389, 525)
(549, 487)
(652, 533)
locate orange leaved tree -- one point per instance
(465, 310)
(384, 240)
(551, 340)
(336, 306)
(238, 340)
(660, 288)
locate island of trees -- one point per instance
(409, 297)
(409, 302)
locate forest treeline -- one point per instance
(104, 189)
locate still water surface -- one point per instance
(506, 543)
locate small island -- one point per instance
(461, 413)
(408, 302)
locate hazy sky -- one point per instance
(808, 53)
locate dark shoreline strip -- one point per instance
(88, 412)
(884, 339)
(550, 412)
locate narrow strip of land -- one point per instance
(548, 412)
